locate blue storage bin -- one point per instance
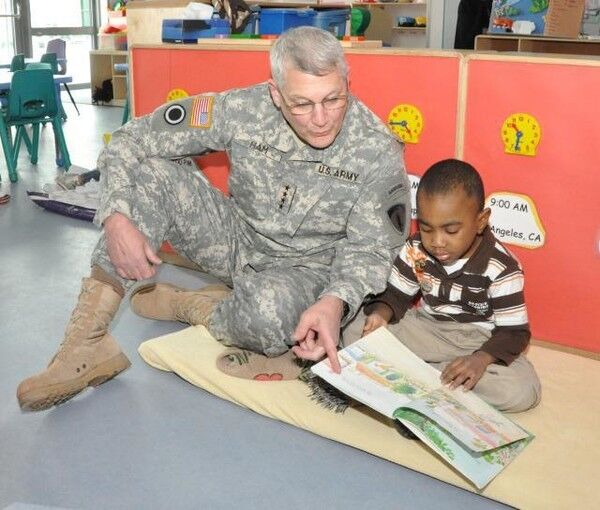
(218, 28)
(332, 20)
(190, 30)
(277, 21)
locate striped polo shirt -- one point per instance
(486, 291)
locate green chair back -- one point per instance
(38, 65)
(32, 95)
(50, 58)
(17, 63)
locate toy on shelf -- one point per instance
(113, 35)
(117, 6)
(360, 18)
(406, 21)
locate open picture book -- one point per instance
(469, 434)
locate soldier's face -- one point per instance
(314, 106)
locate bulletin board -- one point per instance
(550, 201)
(381, 79)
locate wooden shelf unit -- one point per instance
(102, 67)
(383, 23)
(537, 44)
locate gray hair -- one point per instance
(307, 49)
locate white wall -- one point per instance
(442, 23)
(450, 15)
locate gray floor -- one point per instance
(148, 439)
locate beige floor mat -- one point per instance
(558, 470)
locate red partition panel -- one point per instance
(158, 70)
(381, 79)
(561, 180)
(428, 81)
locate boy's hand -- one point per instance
(466, 370)
(380, 316)
(373, 322)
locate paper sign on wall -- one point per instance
(564, 18)
(414, 184)
(515, 220)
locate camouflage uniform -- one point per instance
(299, 222)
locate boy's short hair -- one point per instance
(449, 174)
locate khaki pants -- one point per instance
(510, 388)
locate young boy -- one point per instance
(472, 322)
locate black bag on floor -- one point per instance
(103, 94)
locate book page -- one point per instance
(478, 427)
(479, 468)
(379, 371)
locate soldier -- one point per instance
(318, 204)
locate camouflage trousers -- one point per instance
(177, 204)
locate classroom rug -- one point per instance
(557, 470)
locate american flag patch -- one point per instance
(201, 116)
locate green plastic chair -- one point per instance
(17, 63)
(58, 68)
(31, 101)
(38, 65)
(49, 61)
(50, 58)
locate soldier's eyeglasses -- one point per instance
(330, 104)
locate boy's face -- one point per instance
(450, 224)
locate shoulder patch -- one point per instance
(201, 114)
(174, 114)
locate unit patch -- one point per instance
(343, 175)
(201, 116)
(174, 114)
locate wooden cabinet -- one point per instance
(533, 44)
(102, 67)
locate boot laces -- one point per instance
(85, 320)
(195, 308)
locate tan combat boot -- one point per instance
(165, 302)
(88, 355)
